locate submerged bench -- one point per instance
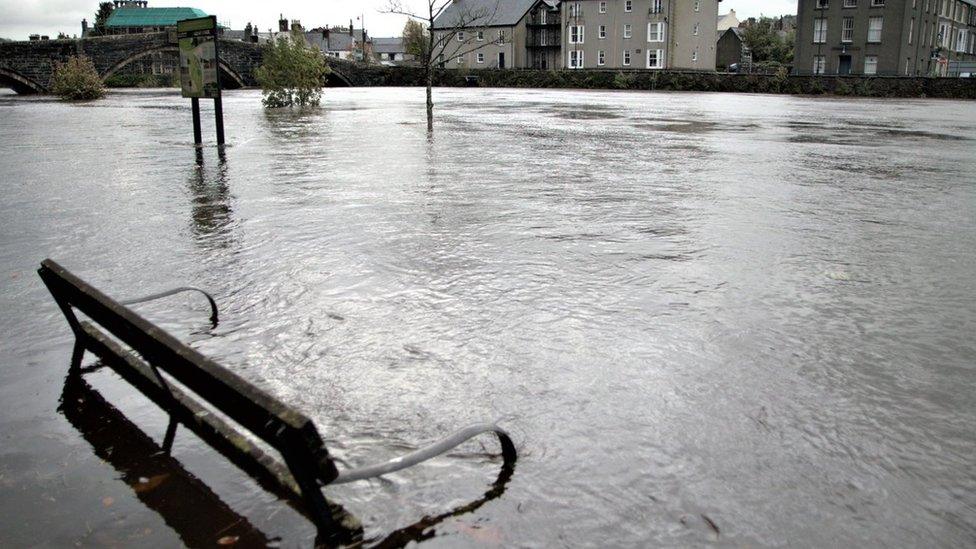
(307, 465)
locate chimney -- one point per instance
(296, 25)
(84, 28)
(350, 28)
(282, 23)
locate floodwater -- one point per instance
(705, 318)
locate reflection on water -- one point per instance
(706, 317)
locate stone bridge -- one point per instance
(27, 66)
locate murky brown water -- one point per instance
(757, 311)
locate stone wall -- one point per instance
(955, 88)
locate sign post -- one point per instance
(200, 69)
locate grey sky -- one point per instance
(19, 18)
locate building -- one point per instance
(135, 16)
(347, 43)
(728, 21)
(484, 34)
(640, 34)
(885, 37)
(390, 51)
(730, 49)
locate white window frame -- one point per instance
(659, 57)
(577, 57)
(580, 34)
(481, 57)
(875, 34)
(626, 59)
(847, 30)
(628, 30)
(660, 28)
(603, 7)
(602, 32)
(820, 30)
(601, 58)
(628, 5)
(870, 68)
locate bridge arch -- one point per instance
(230, 79)
(19, 83)
(336, 79)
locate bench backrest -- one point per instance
(286, 429)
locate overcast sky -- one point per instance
(19, 18)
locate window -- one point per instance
(460, 36)
(628, 5)
(850, 3)
(576, 34)
(601, 58)
(963, 41)
(655, 59)
(847, 35)
(576, 59)
(871, 64)
(501, 37)
(818, 64)
(603, 7)
(911, 31)
(481, 36)
(602, 32)
(481, 58)
(628, 31)
(694, 56)
(821, 4)
(657, 6)
(626, 58)
(875, 24)
(655, 32)
(819, 31)
(575, 10)
(877, 3)
(694, 30)
(459, 59)
(697, 5)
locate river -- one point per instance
(705, 318)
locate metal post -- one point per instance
(218, 103)
(197, 133)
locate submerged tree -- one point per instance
(292, 72)
(453, 36)
(77, 80)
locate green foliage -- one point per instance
(623, 81)
(416, 39)
(292, 73)
(77, 80)
(766, 45)
(101, 17)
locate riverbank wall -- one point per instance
(858, 86)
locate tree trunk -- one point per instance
(430, 100)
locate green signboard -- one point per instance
(198, 57)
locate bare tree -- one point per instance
(453, 37)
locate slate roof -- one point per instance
(495, 13)
(151, 17)
(388, 45)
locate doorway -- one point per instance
(501, 60)
(844, 67)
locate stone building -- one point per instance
(135, 17)
(885, 37)
(484, 34)
(730, 49)
(640, 34)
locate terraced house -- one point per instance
(579, 34)
(640, 34)
(886, 37)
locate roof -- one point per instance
(338, 39)
(483, 13)
(151, 17)
(388, 45)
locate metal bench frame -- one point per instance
(307, 464)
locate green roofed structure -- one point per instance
(134, 16)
